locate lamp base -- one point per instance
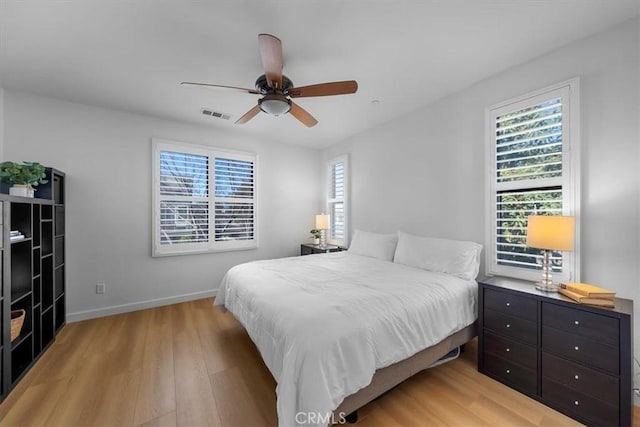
(323, 239)
(546, 287)
(546, 284)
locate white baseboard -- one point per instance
(135, 306)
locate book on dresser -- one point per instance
(601, 302)
(588, 294)
(590, 291)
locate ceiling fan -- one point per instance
(277, 90)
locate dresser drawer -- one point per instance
(580, 349)
(582, 379)
(589, 325)
(580, 405)
(524, 379)
(511, 326)
(514, 305)
(510, 350)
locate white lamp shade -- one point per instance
(322, 222)
(551, 232)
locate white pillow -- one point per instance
(455, 257)
(381, 246)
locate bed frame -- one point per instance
(387, 378)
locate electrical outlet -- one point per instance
(101, 288)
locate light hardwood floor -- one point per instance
(190, 365)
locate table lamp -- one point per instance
(549, 233)
(322, 224)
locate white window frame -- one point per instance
(569, 91)
(345, 199)
(158, 249)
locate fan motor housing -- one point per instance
(263, 86)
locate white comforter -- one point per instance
(325, 323)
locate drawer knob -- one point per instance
(577, 322)
(508, 371)
(508, 325)
(576, 403)
(576, 348)
(508, 304)
(576, 377)
(508, 349)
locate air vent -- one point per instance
(217, 114)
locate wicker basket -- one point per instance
(17, 319)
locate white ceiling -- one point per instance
(131, 55)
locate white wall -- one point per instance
(1, 121)
(425, 173)
(107, 159)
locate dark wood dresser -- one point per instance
(572, 357)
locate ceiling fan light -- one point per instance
(275, 104)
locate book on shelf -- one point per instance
(600, 302)
(15, 236)
(587, 290)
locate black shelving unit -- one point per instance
(33, 275)
(4, 334)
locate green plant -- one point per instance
(30, 174)
(315, 233)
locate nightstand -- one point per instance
(572, 357)
(310, 248)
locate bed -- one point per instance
(337, 330)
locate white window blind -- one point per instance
(234, 201)
(533, 164)
(337, 200)
(184, 194)
(204, 199)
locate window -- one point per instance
(533, 162)
(204, 199)
(337, 200)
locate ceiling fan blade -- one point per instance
(301, 114)
(248, 115)
(324, 89)
(271, 53)
(253, 91)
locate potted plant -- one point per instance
(315, 235)
(22, 177)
